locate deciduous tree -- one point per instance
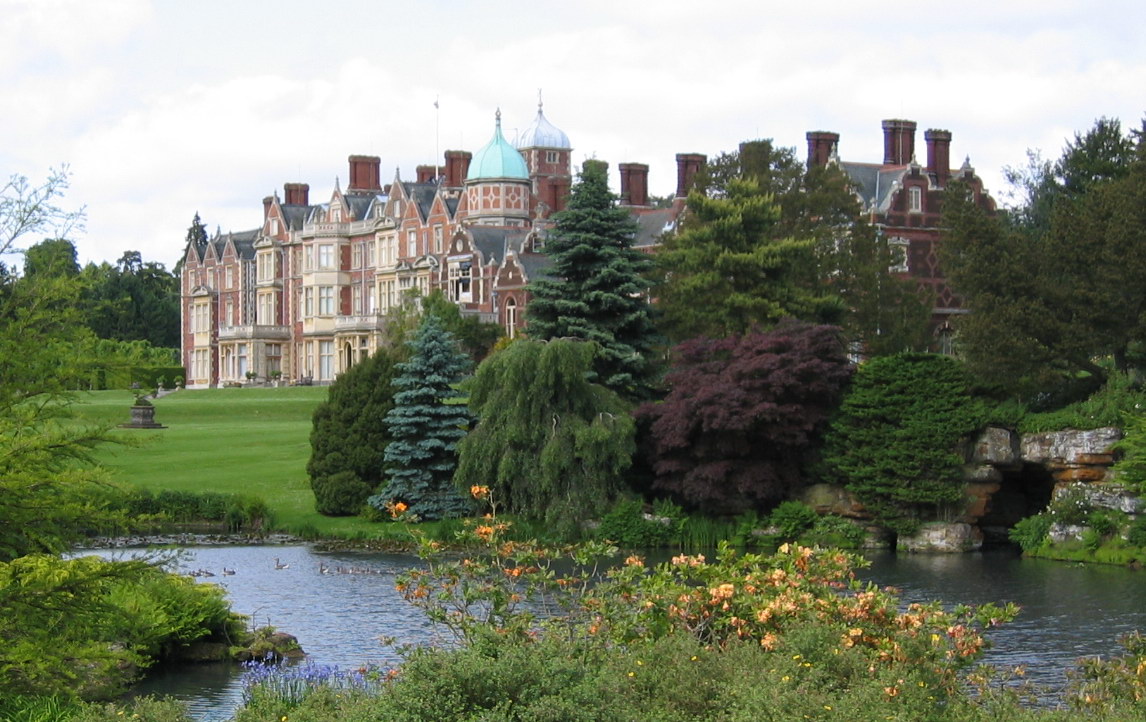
(549, 443)
(743, 413)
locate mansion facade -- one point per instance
(307, 294)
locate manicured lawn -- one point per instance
(253, 441)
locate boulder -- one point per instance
(942, 537)
(835, 500)
(1069, 447)
(1105, 496)
(996, 446)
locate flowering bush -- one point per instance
(513, 589)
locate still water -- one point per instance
(1068, 610)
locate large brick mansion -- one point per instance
(306, 294)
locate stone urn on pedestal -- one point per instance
(142, 415)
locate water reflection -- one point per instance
(340, 605)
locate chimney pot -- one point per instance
(364, 173)
(296, 194)
(898, 141)
(687, 166)
(634, 184)
(821, 144)
(938, 155)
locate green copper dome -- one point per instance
(498, 159)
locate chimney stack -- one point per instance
(821, 145)
(687, 166)
(634, 184)
(267, 202)
(939, 155)
(426, 173)
(898, 141)
(457, 167)
(364, 175)
(296, 194)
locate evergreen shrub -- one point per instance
(896, 440)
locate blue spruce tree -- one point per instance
(425, 429)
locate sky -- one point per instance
(161, 109)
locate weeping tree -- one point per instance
(425, 425)
(550, 444)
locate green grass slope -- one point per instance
(252, 441)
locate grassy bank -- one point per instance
(251, 441)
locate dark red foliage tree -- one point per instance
(743, 413)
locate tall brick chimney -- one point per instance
(364, 175)
(426, 173)
(939, 155)
(687, 166)
(268, 201)
(821, 143)
(296, 194)
(457, 167)
(898, 141)
(634, 184)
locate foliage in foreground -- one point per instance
(82, 628)
(21, 708)
(740, 637)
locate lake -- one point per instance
(1068, 610)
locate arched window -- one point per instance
(511, 318)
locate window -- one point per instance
(326, 360)
(274, 353)
(265, 315)
(511, 318)
(551, 156)
(326, 300)
(356, 300)
(296, 263)
(200, 318)
(915, 200)
(326, 257)
(266, 267)
(308, 303)
(308, 260)
(897, 250)
(438, 236)
(230, 277)
(242, 361)
(386, 294)
(460, 281)
(411, 244)
(370, 259)
(200, 366)
(356, 256)
(371, 307)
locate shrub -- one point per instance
(895, 442)
(339, 494)
(1031, 532)
(626, 526)
(792, 519)
(1136, 533)
(835, 531)
(1071, 505)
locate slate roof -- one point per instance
(651, 225)
(359, 204)
(874, 182)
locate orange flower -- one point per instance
(634, 561)
(479, 492)
(484, 532)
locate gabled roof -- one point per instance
(422, 196)
(874, 183)
(492, 242)
(359, 204)
(652, 224)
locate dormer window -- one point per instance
(915, 200)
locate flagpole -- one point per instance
(437, 134)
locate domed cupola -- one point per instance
(498, 159)
(543, 134)
(498, 185)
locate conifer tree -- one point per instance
(596, 291)
(425, 426)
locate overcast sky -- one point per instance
(165, 108)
